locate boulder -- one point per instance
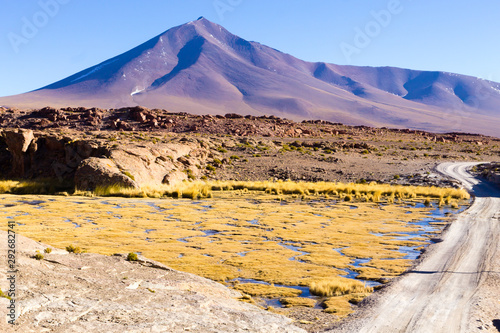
(174, 177)
(18, 142)
(94, 172)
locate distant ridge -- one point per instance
(200, 67)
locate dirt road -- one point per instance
(444, 291)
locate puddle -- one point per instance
(76, 225)
(149, 230)
(254, 222)
(32, 202)
(350, 274)
(425, 228)
(116, 206)
(411, 252)
(358, 262)
(339, 250)
(294, 248)
(305, 293)
(155, 207)
(210, 232)
(274, 302)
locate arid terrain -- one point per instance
(454, 288)
(235, 147)
(225, 235)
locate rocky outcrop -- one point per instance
(167, 163)
(489, 171)
(94, 172)
(98, 160)
(18, 142)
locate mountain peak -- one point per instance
(200, 67)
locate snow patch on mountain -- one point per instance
(95, 69)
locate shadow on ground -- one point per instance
(496, 323)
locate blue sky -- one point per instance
(70, 35)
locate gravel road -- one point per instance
(456, 278)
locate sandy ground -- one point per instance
(455, 286)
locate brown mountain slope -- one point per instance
(200, 67)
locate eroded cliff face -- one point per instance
(96, 160)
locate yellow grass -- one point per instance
(249, 235)
(262, 290)
(338, 305)
(298, 301)
(348, 192)
(338, 286)
(372, 191)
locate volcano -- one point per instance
(201, 68)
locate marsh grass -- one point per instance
(337, 287)
(338, 305)
(191, 190)
(372, 191)
(249, 234)
(360, 192)
(40, 186)
(269, 291)
(289, 302)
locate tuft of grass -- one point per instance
(129, 175)
(338, 305)
(338, 287)
(47, 250)
(132, 256)
(73, 249)
(3, 295)
(268, 291)
(38, 256)
(289, 302)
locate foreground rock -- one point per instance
(96, 293)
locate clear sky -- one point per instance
(43, 41)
